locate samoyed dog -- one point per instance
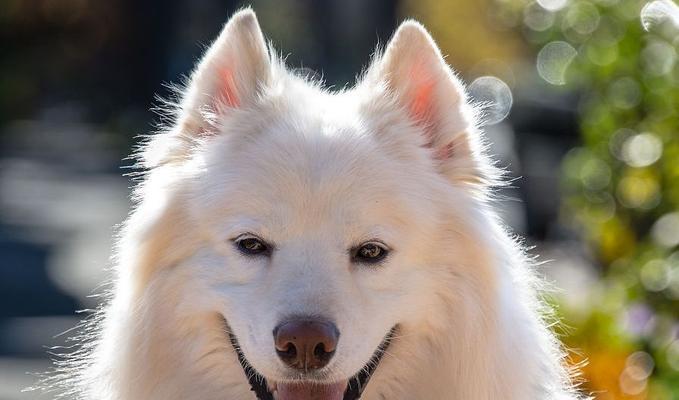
(294, 243)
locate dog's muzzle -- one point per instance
(314, 343)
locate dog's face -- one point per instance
(319, 221)
(313, 222)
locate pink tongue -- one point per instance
(311, 391)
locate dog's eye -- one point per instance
(251, 245)
(370, 252)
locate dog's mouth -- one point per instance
(304, 389)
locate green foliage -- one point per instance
(622, 185)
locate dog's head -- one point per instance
(319, 225)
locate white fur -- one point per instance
(396, 158)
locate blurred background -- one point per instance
(582, 108)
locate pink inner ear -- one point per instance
(422, 106)
(227, 88)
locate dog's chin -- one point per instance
(312, 387)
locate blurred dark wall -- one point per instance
(107, 60)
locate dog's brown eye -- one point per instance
(251, 246)
(371, 252)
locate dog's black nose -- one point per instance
(306, 344)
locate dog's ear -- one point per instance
(413, 72)
(229, 76)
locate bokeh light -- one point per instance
(538, 18)
(493, 96)
(553, 60)
(658, 12)
(581, 19)
(552, 5)
(625, 93)
(665, 230)
(655, 275)
(642, 150)
(659, 57)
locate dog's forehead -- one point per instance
(313, 164)
(307, 138)
(311, 161)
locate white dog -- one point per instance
(293, 243)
